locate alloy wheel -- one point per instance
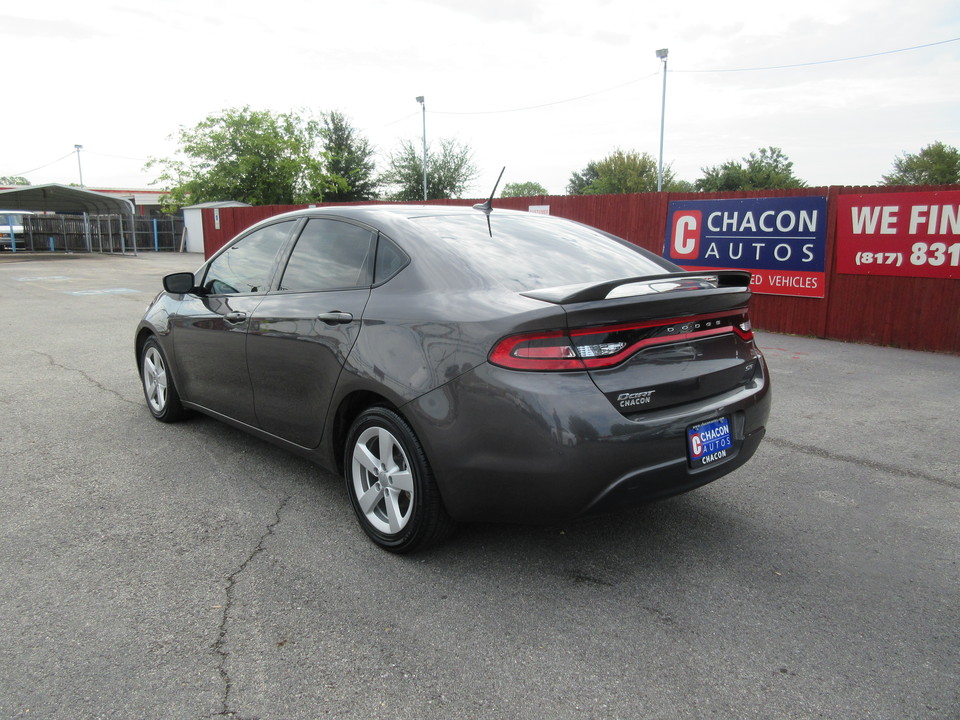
(382, 480)
(155, 379)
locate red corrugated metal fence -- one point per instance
(907, 312)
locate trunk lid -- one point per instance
(656, 342)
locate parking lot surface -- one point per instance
(191, 571)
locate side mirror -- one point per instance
(178, 283)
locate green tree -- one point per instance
(449, 171)
(580, 181)
(523, 189)
(349, 158)
(253, 156)
(13, 180)
(722, 178)
(620, 172)
(766, 169)
(936, 164)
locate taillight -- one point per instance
(601, 347)
(536, 351)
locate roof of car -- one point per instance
(393, 218)
(391, 210)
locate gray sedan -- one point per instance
(457, 364)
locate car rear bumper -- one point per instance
(510, 446)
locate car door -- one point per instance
(210, 329)
(300, 335)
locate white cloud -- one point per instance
(120, 79)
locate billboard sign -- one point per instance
(903, 234)
(781, 241)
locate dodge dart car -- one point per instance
(461, 364)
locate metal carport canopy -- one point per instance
(63, 199)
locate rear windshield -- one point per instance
(530, 252)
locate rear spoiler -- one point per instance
(645, 285)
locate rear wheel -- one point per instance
(390, 484)
(158, 386)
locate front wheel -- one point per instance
(158, 387)
(390, 484)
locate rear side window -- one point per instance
(329, 255)
(390, 260)
(529, 252)
(248, 264)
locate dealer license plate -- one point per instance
(709, 442)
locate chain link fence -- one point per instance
(100, 233)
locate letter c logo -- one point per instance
(685, 242)
(696, 446)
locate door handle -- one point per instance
(235, 317)
(335, 317)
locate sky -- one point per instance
(540, 87)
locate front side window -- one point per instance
(329, 255)
(247, 265)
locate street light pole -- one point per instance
(662, 54)
(423, 105)
(79, 167)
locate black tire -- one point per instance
(390, 484)
(160, 391)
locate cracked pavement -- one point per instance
(190, 571)
(221, 645)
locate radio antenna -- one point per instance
(487, 207)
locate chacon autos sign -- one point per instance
(781, 241)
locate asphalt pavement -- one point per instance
(191, 571)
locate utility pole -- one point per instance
(423, 105)
(78, 148)
(662, 54)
